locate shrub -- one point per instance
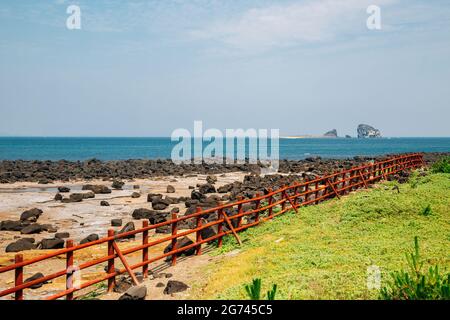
(441, 166)
(254, 290)
(426, 211)
(415, 284)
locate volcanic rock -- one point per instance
(51, 244)
(21, 245)
(31, 215)
(35, 277)
(117, 184)
(135, 293)
(90, 238)
(116, 222)
(174, 286)
(97, 189)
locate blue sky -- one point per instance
(145, 68)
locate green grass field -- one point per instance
(323, 252)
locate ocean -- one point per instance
(52, 148)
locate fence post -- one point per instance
(239, 220)
(174, 240)
(316, 194)
(270, 201)
(343, 183)
(284, 196)
(258, 204)
(306, 189)
(295, 196)
(18, 279)
(219, 227)
(111, 269)
(145, 250)
(198, 249)
(69, 269)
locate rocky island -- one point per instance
(366, 131)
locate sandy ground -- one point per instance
(87, 217)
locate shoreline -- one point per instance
(63, 171)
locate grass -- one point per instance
(323, 252)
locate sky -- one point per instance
(146, 68)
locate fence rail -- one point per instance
(262, 208)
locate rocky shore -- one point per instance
(44, 172)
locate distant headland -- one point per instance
(363, 131)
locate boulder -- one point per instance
(31, 215)
(32, 229)
(88, 195)
(170, 189)
(174, 286)
(135, 195)
(97, 189)
(141, 213)
(164, 229)
(206, 188)
(153, 196)
(63, 189)
(122, 284)
(116, 222)
(104, 203)
(135, 293)
(153, 216)
(90, 238)
(49, 228)
(21, 245)
(35, 277)
(9, 225)
(127, 228)
(195, 195)
(117, 184)
(58, 197)
(182, 242)
(211, 179)
(76, 197)
(208, 232)
(55, 243)
(160, 204)
(62, 235)
(171, 200)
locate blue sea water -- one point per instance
(42, 148)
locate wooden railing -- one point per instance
(230, 219)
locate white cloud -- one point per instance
(290, 24)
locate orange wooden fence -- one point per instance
(263, 207)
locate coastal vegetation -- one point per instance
(442, 165)
(416, 284)
(324, 251)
